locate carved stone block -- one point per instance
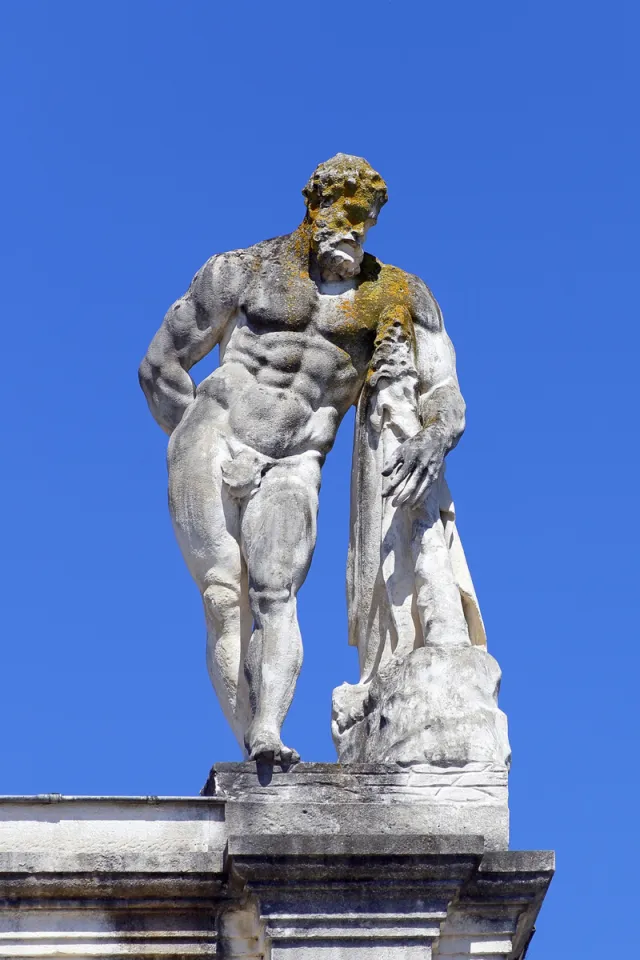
(368, 798)
(438, 704)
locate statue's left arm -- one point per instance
(417, 463)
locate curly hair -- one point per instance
(343, 175)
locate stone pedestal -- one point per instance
(276, 864)
(372, 798)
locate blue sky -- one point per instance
(140, 138)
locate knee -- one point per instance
(267, 599)
(221, 600)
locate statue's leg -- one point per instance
(207, 524)
(438, 596)
(278, 537)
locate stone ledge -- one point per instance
(398, 897)
(371, 798)
(354, 845)
(184, 877)
(81, 887)
(366, 782)
(354, 859)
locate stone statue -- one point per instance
(309, 325)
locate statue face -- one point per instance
(340, 220)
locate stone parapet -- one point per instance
(229, 876)
(102, 877)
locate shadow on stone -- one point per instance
(264, 772)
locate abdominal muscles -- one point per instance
(279, 394)
(279, 421)
(269, 419)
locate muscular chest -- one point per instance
(277, 301)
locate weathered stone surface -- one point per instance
(358, 782)
(381, 799)
(172, 877)
(50, 834)
(436, 705)
(359, 898)
(392, 820)
(308, 324)
(99, 877)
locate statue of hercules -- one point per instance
(298, 319)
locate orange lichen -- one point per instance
(382, 300)
(344, 194)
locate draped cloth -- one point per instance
(381, 594)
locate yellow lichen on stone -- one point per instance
(346, 193)
(383, 300)
(342, 193)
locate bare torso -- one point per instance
(290, 366)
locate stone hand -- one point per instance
(414, 467)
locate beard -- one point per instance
(338, 257)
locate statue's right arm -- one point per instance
(191, 328)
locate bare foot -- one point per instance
(288, 755)
(267, 747)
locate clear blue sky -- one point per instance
(140, 137)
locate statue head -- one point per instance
(344, 196)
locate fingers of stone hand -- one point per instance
(398, 480)
(415, 489)
(423, 488)
(405, 492)
(394, 461)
